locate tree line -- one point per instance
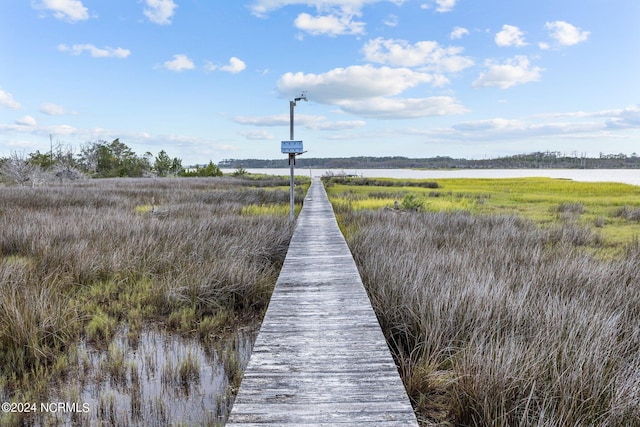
(100, 159)
(536, 160)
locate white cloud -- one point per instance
(392, 108)
(391, 21)
(490, 124)
(514, 71)
(274, 120)
(333, 17)
(307, 121)
(160, 11)
(458, 33)
(510, 36)
(352, 83)
(258, 135)
(26, 121)
(105, 52)
(66, 10)
(370, 91)
(566, 34)
(338, 125)
(544, 46)
(445, 5)
(495, 130)
(27, 125)
(235, 66)
(52, 109)
(331, 25)
(262, 8)
(277, 120)
(581, 114)
(578, 125)
(180, 62)
(6, 100)
(424, 53)
(629, 118)
(509, 129)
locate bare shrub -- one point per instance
(18, 169)
(628, 212)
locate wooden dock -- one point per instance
(320, 357)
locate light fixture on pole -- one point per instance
(292, 148)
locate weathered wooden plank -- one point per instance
(320, 357)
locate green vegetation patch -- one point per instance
(611, 209)
(265, 210)
(378, 182)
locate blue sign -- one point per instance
(291, 147)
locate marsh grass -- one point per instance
(82, 261)
(612, 207)
(627, 212)
(497, 321)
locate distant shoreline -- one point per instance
(540, 160)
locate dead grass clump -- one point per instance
(628, 212)
(37, 323)
(570, 208)
(571, 234)
(496, 322)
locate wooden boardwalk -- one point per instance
(320, 358)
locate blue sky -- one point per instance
(205, 79)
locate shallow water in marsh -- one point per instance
(155, 380)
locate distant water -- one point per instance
(627, 176)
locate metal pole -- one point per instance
(291, 105)
(292, 160)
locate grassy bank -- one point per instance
(81, 262)
(611, 210)
(504, 301)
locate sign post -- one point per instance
(292, 148)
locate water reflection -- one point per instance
(156, 379)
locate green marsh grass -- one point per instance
(83, 261)
(502, 313)
(614, 207)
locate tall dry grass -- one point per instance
(79, 259)
(496, 322)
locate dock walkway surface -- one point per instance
(320, 358)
